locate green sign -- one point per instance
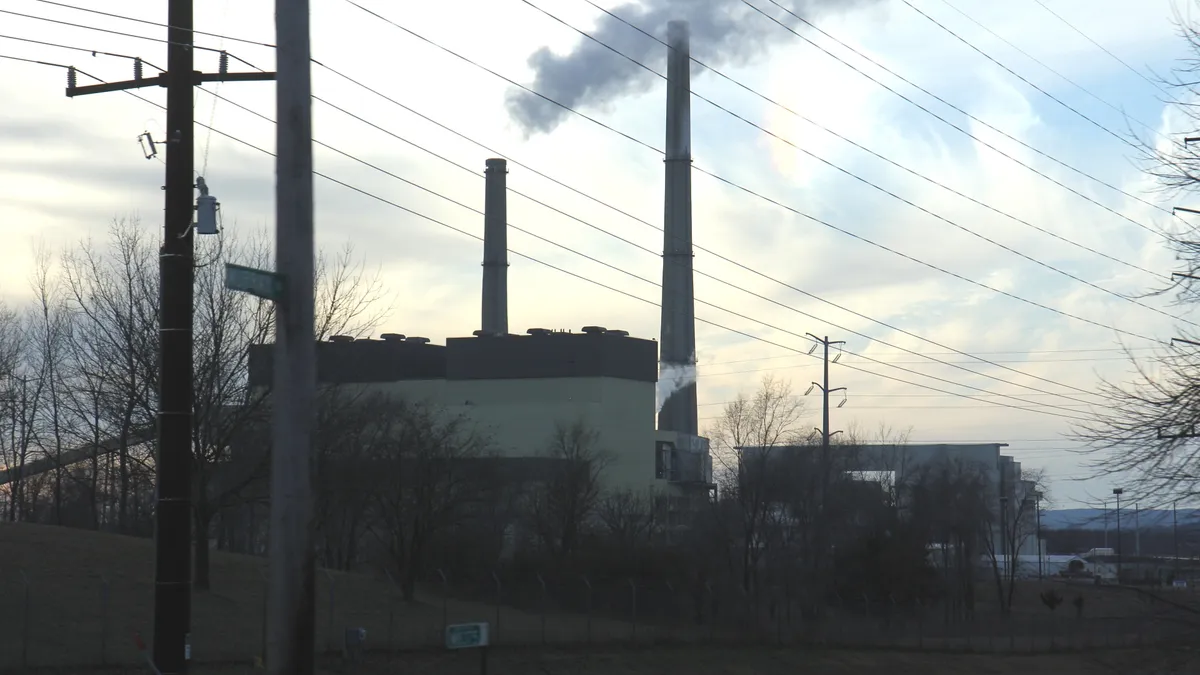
(264, 284)
(466, 636)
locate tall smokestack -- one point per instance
(495, 249)
(677, 349)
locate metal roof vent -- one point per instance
(539, 331)
(417, 340)
(618, 333)
(341, 338)
(484, 333)
(594, 330)
(391, 337)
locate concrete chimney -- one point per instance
(495, 249)
(677, 348)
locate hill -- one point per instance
(1093, 519)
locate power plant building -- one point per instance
(516, 389)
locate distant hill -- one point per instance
(1093, 519)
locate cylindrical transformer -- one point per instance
(206, 214)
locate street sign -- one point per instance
(264, 284)
(467, 636)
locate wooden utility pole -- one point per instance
(291, 619)
(173, 510)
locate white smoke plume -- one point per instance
(671, 378)
(723, 32)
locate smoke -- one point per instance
(723, 32)
(671, 378)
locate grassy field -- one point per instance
(731, 661)
(71, 598)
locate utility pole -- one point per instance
(173, 509)
(825, 390)
(291, 619)
(824, 430)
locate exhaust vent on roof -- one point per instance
(594, 330)
(341, 338)
(539, 331)
(391, 337)
(417, 340)
(618, 333)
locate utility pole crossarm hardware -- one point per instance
(161, 80)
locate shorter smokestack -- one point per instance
(495, 248)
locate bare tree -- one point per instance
(745, 440)
(1008, 528)
(561, 505)
(1145, 428)
(627, 518)
(428, 475)
(49, 330)
(112, 295)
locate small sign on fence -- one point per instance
(467, 636)
(1179, 583)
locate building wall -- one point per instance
(520, 417)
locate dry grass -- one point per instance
(70, 572)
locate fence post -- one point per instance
(103, 620)
(633, 614)
(263, 652)
(391, 645)
(671, 613)
(496, 636)
(25, 623)
(445, 601)
(588, 585)
(712, 612)
(542, 582)
(332, 644)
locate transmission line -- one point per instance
(965, 113)
(871, 184)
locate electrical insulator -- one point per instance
(71, 77)
(224, 63)
(137, 68)
(206, 209)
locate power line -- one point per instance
(1022, 78)
(856, 144)
(1018, 351)
(865, 181)
(654, 283)
(1104, 49)
(93, 52)
(715, 254)
(715, 176)
(1052, 70)
(116, 32)
(156, 23)
(40, 63)
(597, 228)
(597, 283)
(758, 194)
(965, 113)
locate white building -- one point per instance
(517, 388)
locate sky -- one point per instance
(793, 240)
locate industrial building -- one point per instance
(517, 388)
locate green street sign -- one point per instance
(261, 283)
(466, 636)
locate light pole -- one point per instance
(1004, 533)
(1037, 496)
(1117, 492)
